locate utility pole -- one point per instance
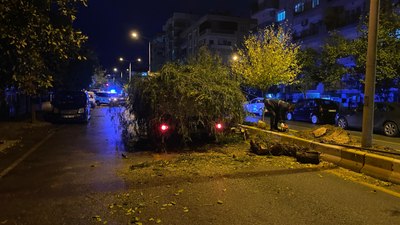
(369, 92)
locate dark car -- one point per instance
(71, 106)
(315, 111)
(386, 118)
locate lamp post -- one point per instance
(135, 35)
(115, 70)
(370, 75)
(130, 66)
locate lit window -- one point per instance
(281, 16)
(314, 3)
(299, 7)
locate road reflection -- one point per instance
(105, 124)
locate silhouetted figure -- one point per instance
(277, 109)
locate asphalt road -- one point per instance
(78, 176)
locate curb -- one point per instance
(378, 166)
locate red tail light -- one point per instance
(219, 126)
(164, 127)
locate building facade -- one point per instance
(310, 22)
(221, 33)
(172, 29)
(184, 33)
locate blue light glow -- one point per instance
(113, 91)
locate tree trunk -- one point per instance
(33, 110)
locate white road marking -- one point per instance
(18, 161)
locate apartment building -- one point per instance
(221, 33)
(311, 20)
(172, 29)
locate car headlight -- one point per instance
(81, 110)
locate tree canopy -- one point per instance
(196, 94)
(388, 57)
(35, 38)
(267, 58)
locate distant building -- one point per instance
(172, 30)
(184, 33)
(311, 20)
(220, 33)
(158, 55)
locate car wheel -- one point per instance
(314, 119)
(342, 122)
(289, 116)
(391, 129)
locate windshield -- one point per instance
(70, 98)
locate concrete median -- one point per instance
(395, 176)
(378, 166)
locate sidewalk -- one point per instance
(14, 132)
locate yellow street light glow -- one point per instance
(139, 59)
(134, 35)
(235, 57)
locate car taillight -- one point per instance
(164, 127)
(219, 126)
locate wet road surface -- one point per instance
(78, 176)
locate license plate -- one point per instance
(68, 116)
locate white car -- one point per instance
(255, 106)
(106, 98)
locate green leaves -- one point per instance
(268, 58)
(388, 58)
(35, 35)
(194, 94)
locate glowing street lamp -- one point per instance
(235, 57)
(130, 66)
(135, 35)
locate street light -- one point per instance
(135, 35)
(235, 57)
(130, 66)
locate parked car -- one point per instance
(71, 106)
(92, 98)
(255, 106)
(315, 111)
(386, 118)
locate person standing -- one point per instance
(278, 110)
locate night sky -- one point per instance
(108, 23)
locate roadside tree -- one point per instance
(35, 38)
(190, 96)
(267, 58)
(388, 59)
(310, 60)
